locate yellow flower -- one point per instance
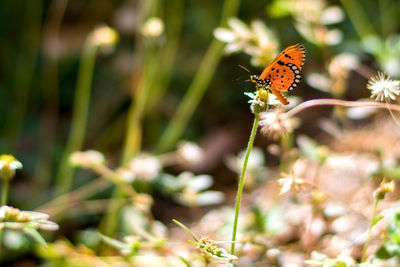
(8, 165)
(384, 187)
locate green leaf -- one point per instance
(114, 242)
(383, 254)
(35, 235)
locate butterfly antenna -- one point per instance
(244, 68)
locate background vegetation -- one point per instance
(152, 92)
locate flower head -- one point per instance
(256, 40)
(383, 88)
(104, 36)
(275, 123)
(87, 159)
(385, 187)
(210, 249)
(145, 167)
(8, 165)
(16, 219)
(190, 153)
(290, 182)
(261, 99)
(153, 27)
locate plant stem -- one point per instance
(79, 117)
(181, 225)
(336, 102)
(241, 180)
(140, 96)
(198, 86)
(4, 192)
(366, 245)
(4, 196)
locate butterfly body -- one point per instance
(283, 74)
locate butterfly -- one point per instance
(283, 74)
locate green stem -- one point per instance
(241, 180)
(360, 20)
(24, 70)
(4, 196)
(140, 96)
(174, 22)
(79, 117)
(181, 225)
(4, 192)
(366, 245)
(387, 17)
(198, 86)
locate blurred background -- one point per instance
(128, 77)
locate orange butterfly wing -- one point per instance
(283, 73)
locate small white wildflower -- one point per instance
(290, 182)
(10, 161)
(224, 35)
(145, 167)
(190, 152)
(240, 28)
(104, 36)
(333, 37)
(16, 219)
(332, 15)
(382, 87)
(87, 159)
(153, 27)
(8, 165)
(126, 175)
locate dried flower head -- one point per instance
(275, 123)
(8, 165)
(16, 219)
(383, 88)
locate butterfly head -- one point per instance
(259, 83)
(254, 78)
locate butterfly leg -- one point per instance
(280, 96)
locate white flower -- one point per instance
(10, 161)
(289, 182)
(190, 152)
(104, 36)
(383, 88)
(16, 219)
(87, 159)
(153, 27)
(8, 165)
(145, 167)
